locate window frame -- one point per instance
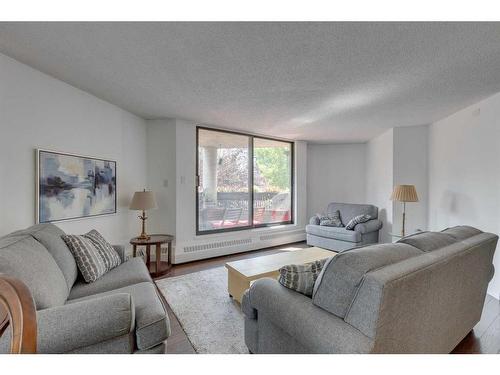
(251, 182)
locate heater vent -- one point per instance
(267, 237)
(216, 245)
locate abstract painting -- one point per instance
(72, 186)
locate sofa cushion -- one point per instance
(131, 272)
(88, 258)
(428, 241)
(25, 258)
(334, 232)
(462, 232)
(340, 278)
(49, 236)
(349, 210)
(152, 326)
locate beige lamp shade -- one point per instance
(143, 200)
(404, 193)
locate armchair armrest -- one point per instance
(294, 313)
(80, 324)
(314, 220)
(369, 226)
(120, 249)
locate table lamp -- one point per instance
(404, 193)
(143, 201)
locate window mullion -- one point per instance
(251, 171)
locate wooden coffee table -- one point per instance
(241, 273)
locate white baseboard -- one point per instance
(214, 247)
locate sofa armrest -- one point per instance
(65, 328)
(369, 226)
(246, 307)
(314, 220)
(120, 249)
(294, 313)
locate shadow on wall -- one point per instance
(453, 204)
(387, 227)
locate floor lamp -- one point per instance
(404, 193)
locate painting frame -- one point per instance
(38, 190)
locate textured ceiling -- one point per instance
(321, 82)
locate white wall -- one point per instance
(335, 173)
(380, 179)
(410, 167)
(464, 172)
(178, 203)
(161, 174)
(37, 110)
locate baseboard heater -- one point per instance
(216, 245)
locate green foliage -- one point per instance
(273, 164)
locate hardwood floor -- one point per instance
(484, 338)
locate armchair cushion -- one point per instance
(338, 233)
(369, 226)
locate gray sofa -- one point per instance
(122, 312)
(423, 294)
(338, 239)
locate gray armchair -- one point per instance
(339, 239)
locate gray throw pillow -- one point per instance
(331, 220)
(301, 277)
(88, 259)
(357, 220)
(106, 250)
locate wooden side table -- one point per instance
(157, 268)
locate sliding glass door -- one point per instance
(272, 181)
(243, 181)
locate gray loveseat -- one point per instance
(122, 312)
(423, 294)
(339, 238)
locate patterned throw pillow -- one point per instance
(332, 220)
(357, 220)
(106, 250)
(301, 277)
(88, 258)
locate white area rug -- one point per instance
(211, 319)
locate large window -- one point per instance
(244, 181)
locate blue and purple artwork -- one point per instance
(72, 186)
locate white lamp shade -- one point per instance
(143, 200)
